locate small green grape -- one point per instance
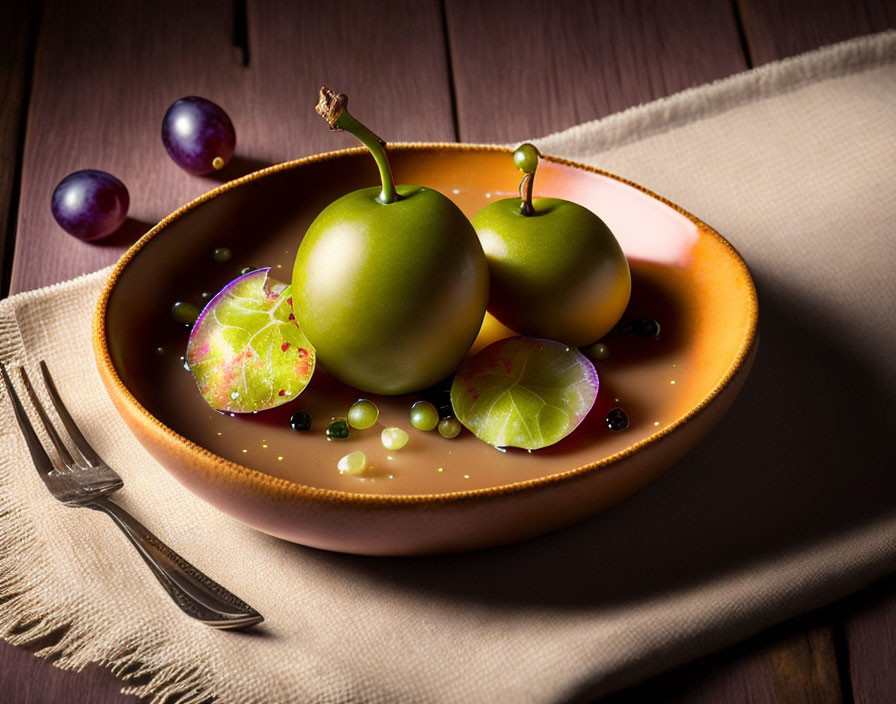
(221, 255)
(526, 158)
(337, 429)
(354, 463)
(184, 313)
(424, 415)
(449, 427)
(363, 414)
(598, 352)
(394, 438)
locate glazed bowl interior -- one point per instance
(684, 275)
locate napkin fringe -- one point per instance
(145, 669)
(143, 662)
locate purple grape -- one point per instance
(198, 135)
(90, 204)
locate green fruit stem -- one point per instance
(526, 194)
(332, 107)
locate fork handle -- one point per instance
(197, 595)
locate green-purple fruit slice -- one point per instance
(246, 351)
(524, 392)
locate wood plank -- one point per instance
(30, 680)
(805, 666)
(525, 70)
(18, 30)
(869, 622)
(104, 74)
(793, 662)
(775, 30)
(388, 58)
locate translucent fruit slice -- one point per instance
(246, 351)
(524, 392)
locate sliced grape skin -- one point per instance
(198, 135)
(90, 204)
(245, 352)
(524, 392)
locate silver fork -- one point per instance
(88, 481)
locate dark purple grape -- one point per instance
(90, 204)
(198, 135)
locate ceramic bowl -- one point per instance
(436, 495)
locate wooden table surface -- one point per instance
(85, 84)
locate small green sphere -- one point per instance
(394, 438)
(597, 352)
(449, 428)
(363, 414)
(184, 313)
(337, 429)
(354, 463)
(526, 158)
(424, 416)
(221, 255)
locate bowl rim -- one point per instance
(285, 489)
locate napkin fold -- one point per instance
(789, 504)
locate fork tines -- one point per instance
(88, 457)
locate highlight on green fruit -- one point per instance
(354, 464)
(524, 392)
(363, 414)
(246, 352)
(394, 438)
(390, 281)
(526, 159)
(556, 271)
(424, 415)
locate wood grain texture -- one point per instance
(389, 58)
(792, 663)
(737, 674)
(527, 69)
(870, 625)
(775, 30)
(25, 679)
(18, 27)
(104, 74)
(805, 666)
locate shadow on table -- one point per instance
(238, 167)
(130, 231)
(802, 454)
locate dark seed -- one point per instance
(439, 395)
(617, 420)
(338, 429)
(221, 255)
(646, 327)
(300, 420)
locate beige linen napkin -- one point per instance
(787, 505)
